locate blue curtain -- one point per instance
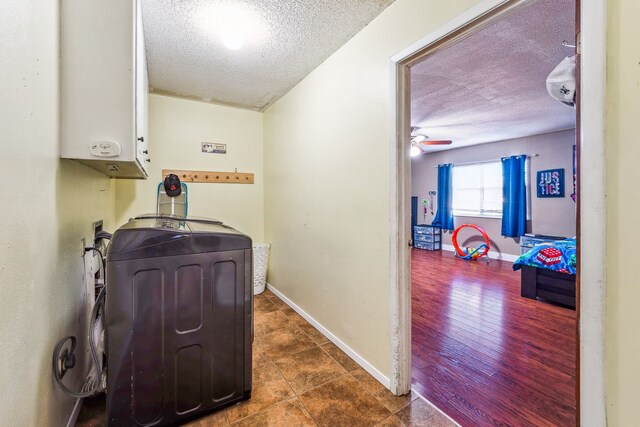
(514, 205)
(444, 214)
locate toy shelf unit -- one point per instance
(528, 241)
(427, 237)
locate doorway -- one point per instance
(590, 329)
(482, 351)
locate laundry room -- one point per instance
(207, 208)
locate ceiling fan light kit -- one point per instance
(419, 137)
(415, 151)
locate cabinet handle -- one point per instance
(145, 152)
(141, 139)
(149, 160)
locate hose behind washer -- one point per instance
(94, 355)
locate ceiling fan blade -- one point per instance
(441, 142)
(416, 131)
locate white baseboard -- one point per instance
(74, 414)
(324, 331)
(491, 254)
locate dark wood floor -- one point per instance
(482, 353)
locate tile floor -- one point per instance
(300, 378)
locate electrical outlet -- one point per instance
(97, 227)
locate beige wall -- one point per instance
(623, 205)
(550, 216)
(177, 127)
(327, 159)
(48, 206)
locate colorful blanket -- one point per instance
(557, 256)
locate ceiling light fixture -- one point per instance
(232, 34)
(235, 26)
(418, 139)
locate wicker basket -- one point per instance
(260, 262)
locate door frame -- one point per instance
(592, 207)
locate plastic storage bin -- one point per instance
(528, 241)
(260, 262)
(426, 229)
(427, 237)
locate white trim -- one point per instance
(491, 254)
(478, 215)
(400, 260)
(592, 210)
(593, 216)
(324, 331)
(75, 413)
(399, 195)
(469, 15)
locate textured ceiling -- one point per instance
(289, 39)
(491, 85)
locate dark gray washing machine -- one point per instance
(179, 320)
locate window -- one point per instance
(477, 189)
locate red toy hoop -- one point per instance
(460, 252)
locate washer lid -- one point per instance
(153, 235)
(179, 218)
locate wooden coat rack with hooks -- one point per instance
(211, 176)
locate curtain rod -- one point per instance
(489, 161)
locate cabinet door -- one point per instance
(97, 103)
(103, 85)
(142, 93)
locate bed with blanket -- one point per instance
(549, 272)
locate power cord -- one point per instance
(94, 385)
(103, 235)
(102, 267)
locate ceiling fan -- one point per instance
(418, 138)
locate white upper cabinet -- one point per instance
(104, 86)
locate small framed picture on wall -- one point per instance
(550, 183)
